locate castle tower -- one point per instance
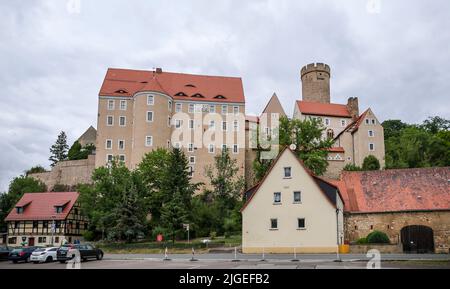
(316, 83)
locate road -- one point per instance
(225, 261)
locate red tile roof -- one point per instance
(41, 206)
(250, 193)
(127, 82)
(336, 150)
(424, 189)
(354, 125)
(323, 109)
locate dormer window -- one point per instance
(121, 91)
(59, 209)
(190, 85)
(220, 97)
(19, 210)
(198, 95)
(180, 94)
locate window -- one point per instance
(277, 198)
(236, 109)
(110, 120)
(59, 209)
(273, 224)
(224, 126)
(121, 145)
(192, 160)
(301, 223)
(371, 133)
(42, 239)
(169, 119)
(122, 158)
(373, 121)
(367, 121)
(123, 105)
(122, 121)
(191, 108)
(235, 126)
(149, 116)
(191, 171)
(109, 158)
(110, 104)
(19, 210)
(56, 240)
(212, 124)
(12, 240)
(108, 144)
(16, 225)
(212, 109)
(343, 122)
(45, 224)
(211, 149)
(35, 224)
(150, 100)
(224, 109)
(327, 122)
(235, 149)
(287, 172)
(169, 105)
(371, 147)
(178, 123)
(191, 147)
(148, 141)
(224, 147)
(178, 107)
(297, 197)
(191, 124)
(330, 133)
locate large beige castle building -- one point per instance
(140, 111)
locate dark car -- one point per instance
(4, 253)
(21, 254)
(87, 251)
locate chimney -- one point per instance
(353, 107)
(159, 70)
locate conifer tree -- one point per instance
(59, 149)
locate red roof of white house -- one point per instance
(41, 206)
(180, 86)
(323, 109)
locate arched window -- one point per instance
(330, 133)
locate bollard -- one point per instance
(235, 256)
(295, 256)
(263, 256)
(166, 256)
(193, 255)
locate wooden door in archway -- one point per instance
(417, 239)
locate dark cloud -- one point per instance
(53, 62)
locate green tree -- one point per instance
(371, 163)
(436, 124)
(35, 170)
(351, 168)
(153, 168)
(78, 152)
(178, 190)
(59, 149)
(393, 128)
(129, 216)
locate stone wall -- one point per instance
(383, 249)
(68, 173)
(359, 225)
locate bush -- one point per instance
(89, 236)
(351, 168)
(371, 163)
(361, 241)
(377, 237)
(213, 235)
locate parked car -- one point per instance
(86, 251)
(44, 255)
(4, 252)
(21, 254)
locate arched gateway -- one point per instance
(417, 239)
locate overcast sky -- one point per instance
(394, 55)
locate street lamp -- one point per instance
(53, 229)
(337, 234)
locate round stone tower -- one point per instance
(316, 82)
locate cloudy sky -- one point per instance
(394, 55)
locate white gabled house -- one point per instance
(291, 208)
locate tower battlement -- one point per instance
(316, 82)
